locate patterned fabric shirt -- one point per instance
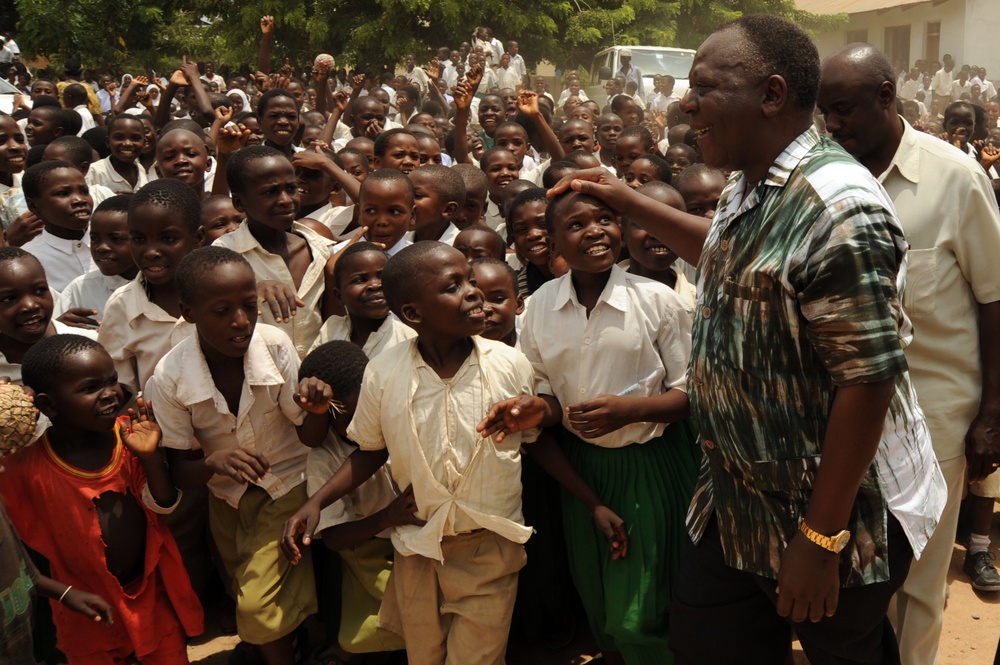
(798, 294)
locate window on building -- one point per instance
(857, 36)
(932, 45)
(897, 46)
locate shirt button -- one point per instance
(583, 391)
(709, 444)
(706, 311)
(586, 340)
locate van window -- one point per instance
(677, 64)
(595, 71)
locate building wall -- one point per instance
(955, 35)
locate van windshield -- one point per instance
(677, 64)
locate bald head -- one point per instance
(869, 63)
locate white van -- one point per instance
(650, 60)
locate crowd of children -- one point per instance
(304, 333)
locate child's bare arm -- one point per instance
(141, 435)
(607, 413)
(127, 98)
(230, 139)
(315, 398)
(267, 34)
(167, 95)
(337, 105)
(359, 467)
(401, 511)
(550, 456)
(190, 69)
(463, 98)
(527, 103)
(88, 604)
(517, 414)
(315, 160)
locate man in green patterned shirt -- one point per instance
(819, 477)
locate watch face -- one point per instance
(840, 540)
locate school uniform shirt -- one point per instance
(102, 172)
(509, 78)
(63, 259)
(517, 64)
(941, 82)
(636, 341)
(87, 117)
(948, 212)
(494, 218)
(189, 407)
(910, 88)
(418, 77)
(92, 290)
(461, 482)
(389, 334)
(447, 236)
(567, 93)
(370, 497)
(450, 76)
(138, 333)
(337, 219)
(305, 325)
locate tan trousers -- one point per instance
(458, 612)
(917, 611)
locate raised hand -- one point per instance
(357, 82)
(527, 103)
(190, 69)
(286, 69)
(988, 156)
(463, 95)
(262, 81)
(433, 69)
(314, 396)
(231, 138)
(266, 24)
(475, 76)
(23, 229)
(342, 98)
(224, 114)
(141, 434)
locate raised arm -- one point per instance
(266, 36)
(527, 103)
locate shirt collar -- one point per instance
(614, 293)
(791, 156)
(259, 369)
(64, 245)
(244, 240)
(477, 349)
(139, 302)
(907, 157)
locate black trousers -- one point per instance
(721, 616)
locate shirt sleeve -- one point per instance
(850, 301)
(979, 238)
(288, 360)
(173, 417)
(366, 425)
(112, 336)
(674, 342)
(529, 347)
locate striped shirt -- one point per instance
(798, 289)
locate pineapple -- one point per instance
(18, 417)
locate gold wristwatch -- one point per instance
(835, 543)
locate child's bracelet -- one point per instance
(65, 592)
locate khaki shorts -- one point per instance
(988, 487)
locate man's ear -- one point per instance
(238, 202)
(412, 224)
(775, 96)
(887, 94)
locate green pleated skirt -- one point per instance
(649, 486)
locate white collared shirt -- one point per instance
(138, 333)
(305, 325)
(636, 341)
(337, 219)
(87, 117)
(461, 482)
(91, 290)
(102, 172)
(389, 334)
(447, 236)
(191, 411)
(63, 259)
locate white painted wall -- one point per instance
(982, 35)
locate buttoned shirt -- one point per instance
(447, 236)
(189, 406)
(138, 333)
(64, 259)
(461, 481)
(636, 342)
(91, 290)
(389, 334)
(102, 172)
(633, 74)
(941, 82)
(797, 296)
(910, 88)
(305, 325)
(947, 209)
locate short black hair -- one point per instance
(949, 110)
(474, 179)
(382, 142)
(402, 277)
(45, 101)
(693, 171)
(510, 123)
(556, 172)
(525, 197)
(495, 150)
(124, 117)
(77, 148)
(191, 271)
(173, 195)
(8, 254)
(550, 211)
(354, 152)
(34, 155)
(34, 178)
(74, 91)
(620, 101)
(662, 168)
(183, 123)
(385, 175)
(97, 137)
(499, 246)
(775, 45)
(447, 183)
(117, 203)
(357, 248)
(42, 366)
(503, 265)
(339, 364)
(266, 98)
(639, 132)
(238, 163)
(412, 92)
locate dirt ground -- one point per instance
(971, 629)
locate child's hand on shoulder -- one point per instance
(403, 510)
(314, 396)
(140, 433)
(613, 527)
(89, 605)
(243, 466)
(599, 416)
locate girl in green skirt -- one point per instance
(610, 353)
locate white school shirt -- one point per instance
(636, 340)
(517, 64)
(389, 334)
(191, 411)
(418, 77)
(509, 78)
(63, 259)
(447, 236)
(305, 325)
(102, 172)
(494, 218)
(461, 482)
(86, 117)
(450, 76)
(138, 333)
(337, 219)
(92, 290)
